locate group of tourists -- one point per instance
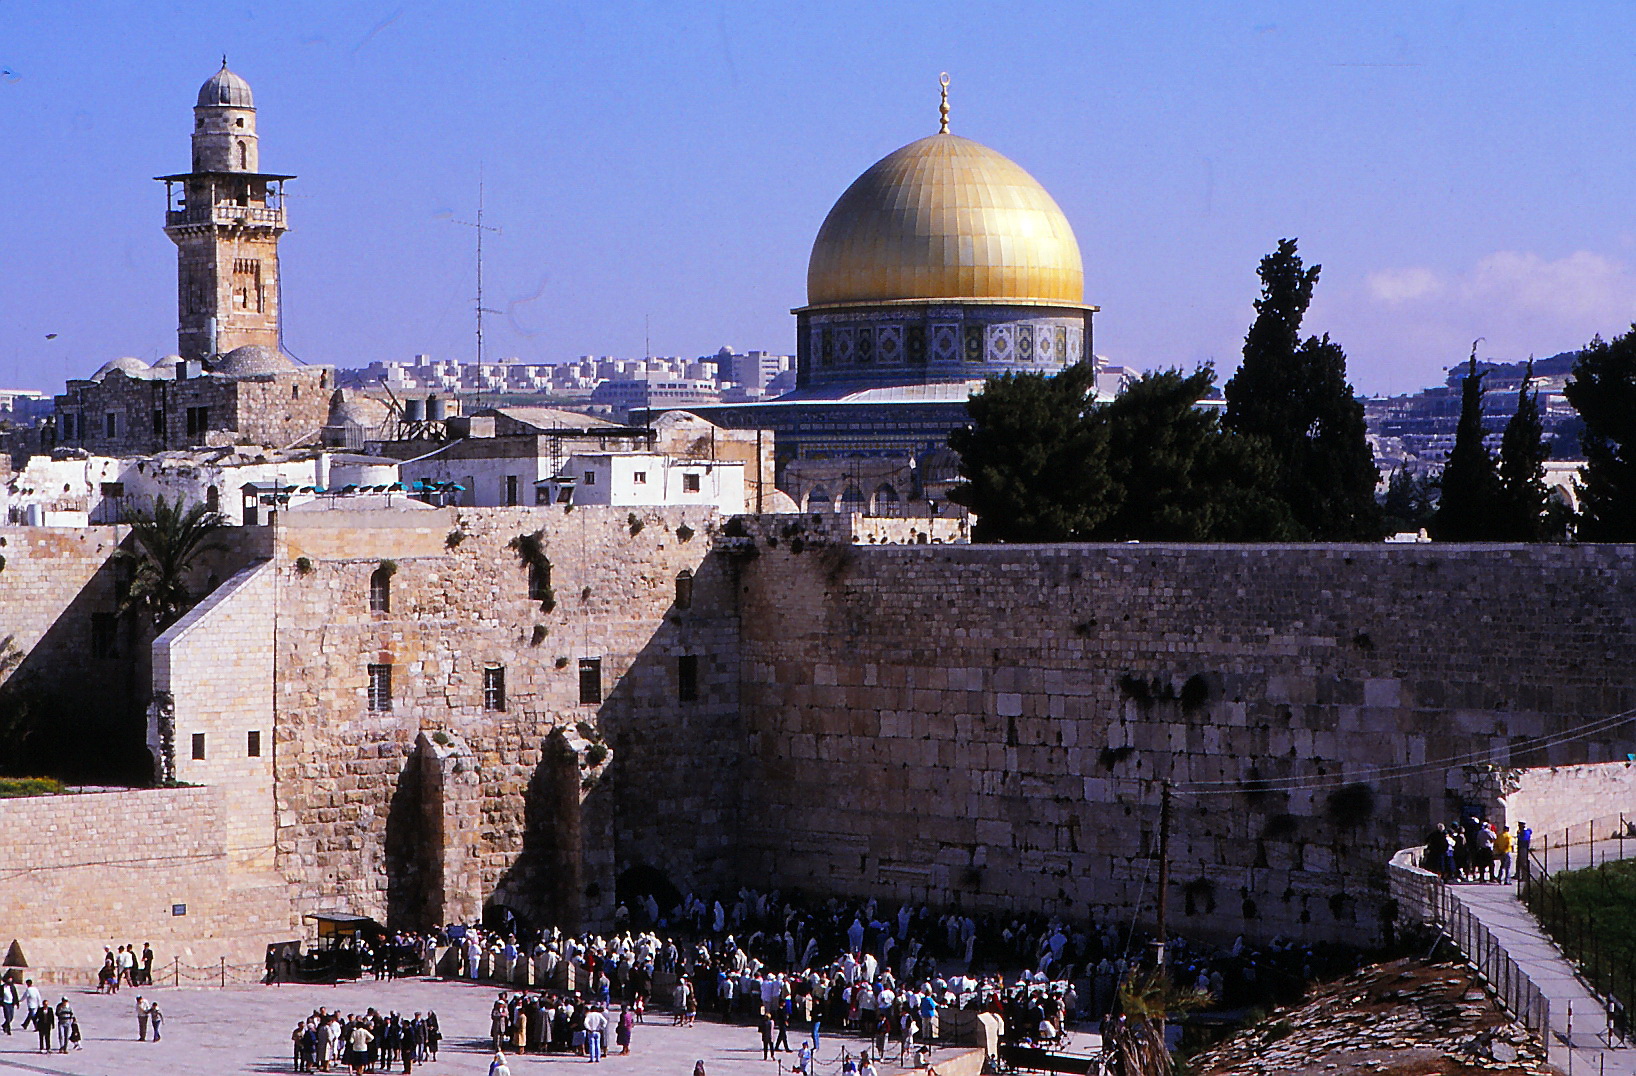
(563, 1023)
(1473, 850)
(364, 1042)
(56, 1025)
(122, 968)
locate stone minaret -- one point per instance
(225, 217)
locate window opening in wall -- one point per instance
(198, 747)
(104, 635)
(539, 580)
(494, 688)
(252, 746)
(590, 478)
(158, 422)
(590, 680)
(198, 420)
(639, 478)
(684, 589)
(244, 156)
(110, 424)
(511, 491)
(687, 678)
(380, 688)
(690, 483)
(213, 499)
(380, 590)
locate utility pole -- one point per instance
(1164, 874)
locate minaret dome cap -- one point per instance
(225, 89)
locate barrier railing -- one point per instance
(1438, 905)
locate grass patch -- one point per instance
(14, 787)
(1588, 913)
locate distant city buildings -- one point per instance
(618, 385)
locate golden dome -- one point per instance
(945, 218)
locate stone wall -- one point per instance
(151, 414)
(1552, 799)
(651, 783)
(988, 727)
(213, 679)
(104, 869)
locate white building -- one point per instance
(645, 480)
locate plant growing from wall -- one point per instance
(303, 565)
(635, 522)
(388, 567)
(684, 533)
(168, 543)
(453, 539)
(530, 549)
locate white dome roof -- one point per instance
(251, 359)
(126, 364)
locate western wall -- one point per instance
(845, 706)
(988, 726)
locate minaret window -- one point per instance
(244, 156)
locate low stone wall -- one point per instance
(80, 872)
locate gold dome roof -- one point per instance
(945, 218)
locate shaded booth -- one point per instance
(339, 951)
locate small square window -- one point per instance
(198, 747)
(639, 478)
(690, 483)
(590, 680)
(253, 745)
(104, 635)
(590, 478)
(380, 688)
(494, 688)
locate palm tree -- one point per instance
(169, 539)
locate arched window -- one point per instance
(852, 500)
(885, 495)
(213, 499)
(380, 590)
(539, 580)
(819, 501)
(684, 589)
(244, 155)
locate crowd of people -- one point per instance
(1473, 850)
(123, 968)
(56, 1025)
(563, 1022)
(370, 1041)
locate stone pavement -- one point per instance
(209, 1032)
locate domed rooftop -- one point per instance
(126, 364)
(165, 362)
(226, 88)
(945, 218)
(251, 359)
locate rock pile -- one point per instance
(1405, 1018)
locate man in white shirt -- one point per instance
(596, 1025)
(31, 1001)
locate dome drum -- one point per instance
(906, 343)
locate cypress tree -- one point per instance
(1524, 501)
(1294, 394)
(1602, 389)
(1471, 487)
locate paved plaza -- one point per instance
(247, 1029)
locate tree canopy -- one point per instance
(1294, 394)
(1602, 389)
(1042, 464)
(1525, 512)
(169, 540)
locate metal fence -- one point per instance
(1607, 964)
(1439, 906)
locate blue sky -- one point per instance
(1460, 170)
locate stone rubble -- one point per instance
(1404, 1018)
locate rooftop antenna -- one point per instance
(943, 109)
(479, 227)
(647, 336)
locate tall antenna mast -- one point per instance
(479, 227)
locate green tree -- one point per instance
(1524, 509)
(1034, 467)
(169, 541)
(1469, 508)
(1178, 476)
(1602, 389)
(1409, 503)
(1295, 395)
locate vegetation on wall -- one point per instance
(168, 543)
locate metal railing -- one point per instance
(1438, 904)
(1607, 965)
(225, 214)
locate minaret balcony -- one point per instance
(255, 216)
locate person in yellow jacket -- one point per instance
(1502, 850)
